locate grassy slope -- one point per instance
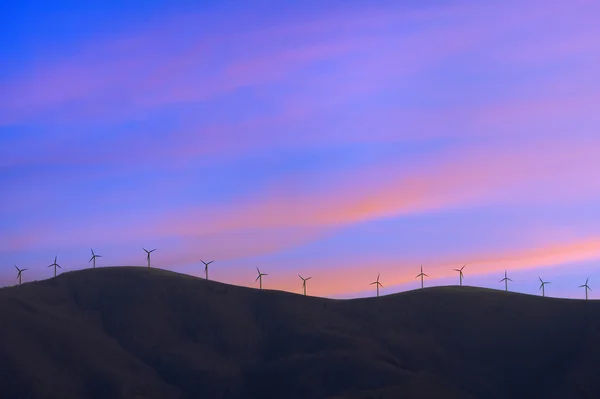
(146, 333)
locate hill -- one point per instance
(148, 333)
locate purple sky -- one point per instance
(338, 139)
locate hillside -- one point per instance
(147, 333)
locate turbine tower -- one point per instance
(93, 258)
(506, 280)
(460, 271)
(148, 254)
(304, 280)
(377, 284)
(206, 267)
(19, 273)
(422, 275)
(259, 278)
(543, 283)
(55, 265)
(587, 287)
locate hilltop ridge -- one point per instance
(135, 332)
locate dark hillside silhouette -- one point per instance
(147, 333)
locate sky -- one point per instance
(332, 139)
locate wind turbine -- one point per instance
(506, 280)
(206, 267)
(93, 258)
(543, 283)
(260, 277)
(55, 266)
(304, 280)
(148, 254)
(422, 275)
(377, 284)
(19, 273)
(587, 287)
(460, 271)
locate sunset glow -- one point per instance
(336, 140)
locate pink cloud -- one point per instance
(340, 275)
(476, 175)
(526, 172)
(551, 112)
(357, 273)
(145, 70)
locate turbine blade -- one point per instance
(425, 275)
(265, 274)
(91, 259)
(16, 267)
(257, 279)
(308, 278)
(23, 270)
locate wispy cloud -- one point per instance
(352, 276)
(124, 76)
(254, 134)
(534, 172)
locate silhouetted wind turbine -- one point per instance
(304, 280)
(55, 266)
(543, 283)
(260, 277)
(19, 273)
(378, 284)
(206, 267)
(421, 275)
(587, 287)
(93, 258)
(460, 271)
(148, 254)
(506, 280)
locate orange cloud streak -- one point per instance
(537, 172)
(343, 277)
(534, 171)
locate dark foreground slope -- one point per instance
(145, 333)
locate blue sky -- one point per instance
(323, 138)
